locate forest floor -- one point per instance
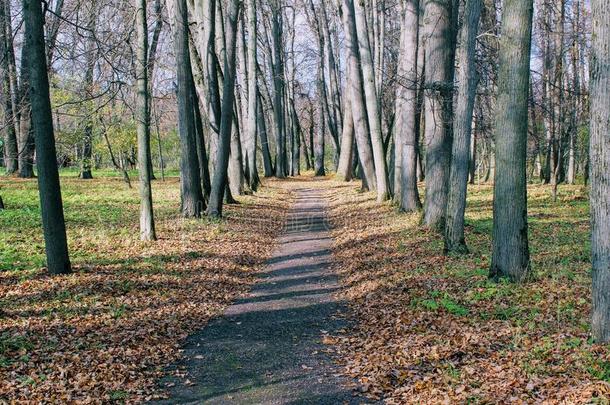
(107, 332)
(429, 328)
(421, 327)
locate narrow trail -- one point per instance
(267, 348)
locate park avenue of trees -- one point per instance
(390, 93)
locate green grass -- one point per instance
(96, 213)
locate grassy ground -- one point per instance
(431, 328)
(105, 332)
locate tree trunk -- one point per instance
(462, 128)
(344, 170)
(26, 147)
(600, 168)
(356, 96)
(262, 130)
(510, 256)
(53, 222)
(236, 168)
(251, 128)
(319, 146)
(202, 156)
(219, 183)
(405, 135)
(91, 56)
(10, 146)
(147, 223)
(440, 45)
(278, 88)
(190, 182)
(372, 105)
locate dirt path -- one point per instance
(267, 347)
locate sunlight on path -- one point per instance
(267, 347)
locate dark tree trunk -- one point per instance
(319, 141)
(510, 256)
(53, 222)
(262, 130)
(462, 128)
(226, 120)
(600, 168)
(10, 147)
(278, 88)
(91, 56)
(202, 156)
(190, 185)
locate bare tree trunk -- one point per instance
(147, 223)
(262, 130)
(190, 185)
(235, 169)
(510, 256)
(10, 146)
(372, 105)
(440, 45)
(219, 183)
(251, 127)
(405, 135)
(91, 56)
(355, 89)
(278, 88)
(53, 223)
(600, 168)
(344, 170)
(26, 147)
(462, 128)
(319, 146)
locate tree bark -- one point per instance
(462, 129)
(262, 130)
(355, 90)
(439, 54)
(510, 257)
(10, 148)
(219, 183)
(190, 182)
(91, 56)
(319, 146)
(147, 223)
(53, 222)
(405, 135)
(600, 168)
(344, 170)
(251, 127)
(372, 105)
(278, 88)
